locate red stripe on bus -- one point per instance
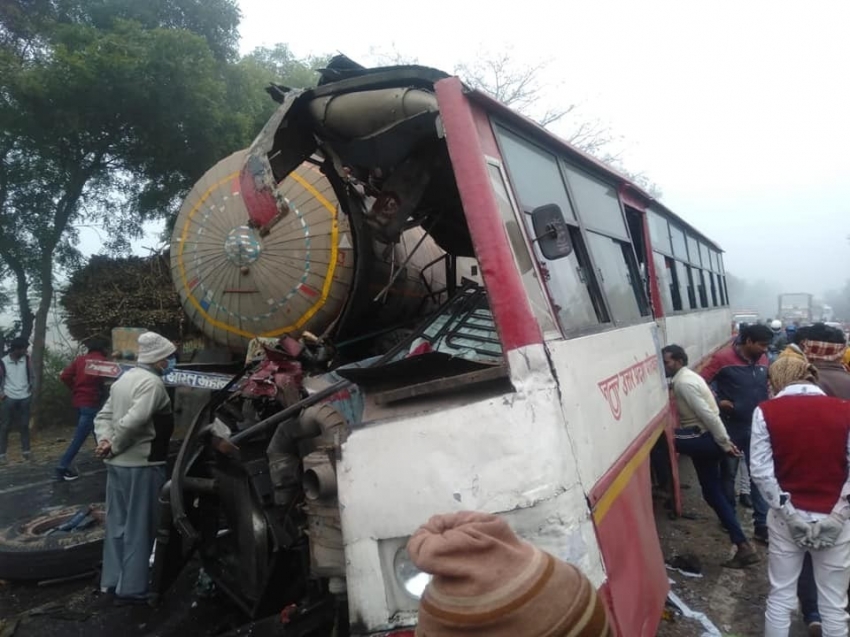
(508, 300)
(634, 564)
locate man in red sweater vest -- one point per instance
(800, 447)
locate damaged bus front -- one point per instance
(372, 254)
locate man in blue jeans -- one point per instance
(15, 396)
(737, 374)
(702, 436)
(87, 396)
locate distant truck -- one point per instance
(796, 307)
(741, 317)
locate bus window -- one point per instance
(598, 204)
(693, 252)
(520, 249)
(619, 277)
(713, 276)
(680, 246)
(706, 261)
(535, 174)
(671, 297)
(537, 180)
(684, 289)
(692, 294)
(610, 246)
(659, 232)
(703, 295)
(635, 221)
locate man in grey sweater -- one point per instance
(133, 430)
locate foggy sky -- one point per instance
(737, 110)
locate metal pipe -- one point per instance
(364, 113)
(320, 482)
(200, 485)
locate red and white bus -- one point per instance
(551, 418)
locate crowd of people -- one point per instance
(773, 405)
(132, 423)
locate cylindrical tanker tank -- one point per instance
(237, 281)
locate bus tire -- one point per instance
(28, 552)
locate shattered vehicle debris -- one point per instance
(339, 238)
(443, 305)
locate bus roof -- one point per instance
(546, 137)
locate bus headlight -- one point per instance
(411, 579)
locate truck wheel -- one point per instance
(28, 551)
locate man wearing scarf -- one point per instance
(825, 347)
(800, 448)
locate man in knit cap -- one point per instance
(488, 582)
(133, 430)
(800, 447)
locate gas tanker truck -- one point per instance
(333, 250)
(252, 262)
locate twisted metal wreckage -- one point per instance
(345, 207)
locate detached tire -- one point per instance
(28, 552)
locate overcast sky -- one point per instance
(738, 110)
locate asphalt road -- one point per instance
(75, 609)
(26, 489)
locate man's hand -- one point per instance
(726, 405)
(826, 531)
(734, 451)
(103, 449)
(801, 531)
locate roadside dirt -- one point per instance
(76, 609)
(733, 600)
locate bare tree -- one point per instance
(391, 56)
(520, 87)
(532, 90)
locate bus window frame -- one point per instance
(535, 262)
(594, 284)
(594, 287)
(644, 303)
(695, 272)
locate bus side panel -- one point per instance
(700, 333)
(628, 538)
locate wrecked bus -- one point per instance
(447, 308)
